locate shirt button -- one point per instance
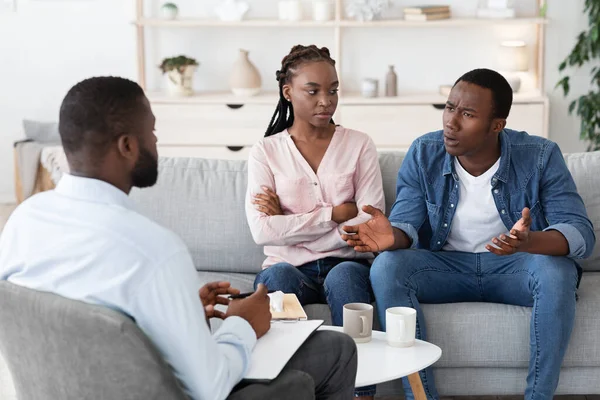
(445, 225)
(452, 205)
(315, 183)
(503, 211)
(496, 191)
(439, 243)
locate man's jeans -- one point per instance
(332, 281)
(546, 283)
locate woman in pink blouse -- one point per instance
(306, 179)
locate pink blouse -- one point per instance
(348, 172)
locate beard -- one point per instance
(145, 170)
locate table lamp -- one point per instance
(513, 58)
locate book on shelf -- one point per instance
(426, 17)
(427, 9)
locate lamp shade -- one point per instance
(513, 56)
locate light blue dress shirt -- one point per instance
(85, 241)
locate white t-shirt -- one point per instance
(476, 221)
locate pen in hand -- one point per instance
(244, 295)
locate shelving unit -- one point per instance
(530, 110)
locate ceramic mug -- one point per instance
(401, 325)
(358, 321)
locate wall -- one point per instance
(48, 45)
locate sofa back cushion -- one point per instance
(203, 202)
(585, 168)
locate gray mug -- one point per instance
(358, 321)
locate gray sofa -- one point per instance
(485, 346)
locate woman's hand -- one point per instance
(267, 203)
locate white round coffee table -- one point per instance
(378, 362)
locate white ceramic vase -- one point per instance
(181, 83)
(231, 10)
(244, 79)
(169, 11)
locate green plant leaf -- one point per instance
(586, 50)
(572, 106)
(562, 66)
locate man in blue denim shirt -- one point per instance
(483, 214)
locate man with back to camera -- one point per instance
(85, 241)
(483, 214)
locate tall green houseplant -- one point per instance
(586, 50)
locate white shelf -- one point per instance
(426, 98)
(270, 98)
(451, 22)
(392, 23)
(213, 23)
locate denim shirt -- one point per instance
(532, 173)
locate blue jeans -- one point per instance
(332, 281)
(546, 283)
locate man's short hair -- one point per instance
(96, 111)
(502, 93)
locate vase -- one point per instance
(232, 10)
(169, 11)
(181, 83)
(245, 79)
(391, 83)
(322, 10)
(369, 87)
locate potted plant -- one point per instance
(180, 73)
(585, 51)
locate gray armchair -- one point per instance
(57, 348)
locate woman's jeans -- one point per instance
(332, 281)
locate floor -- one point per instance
(6, 209)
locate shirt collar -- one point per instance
(502, 173)
(92, 190)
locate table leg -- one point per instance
(417, 386)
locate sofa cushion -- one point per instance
(585, 168)
(497, 335)
(202, 201)
(389, 162)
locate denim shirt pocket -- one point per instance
(433, 211)
(537, 216)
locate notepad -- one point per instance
(273, 351)
(292, 309)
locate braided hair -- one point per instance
(283, 117)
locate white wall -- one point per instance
(45, 48)
(48, 45)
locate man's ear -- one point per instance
(128, 146)
(498, 124)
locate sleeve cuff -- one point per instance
(410, 231)
(325, 215)
(577, 247)
(240, 328)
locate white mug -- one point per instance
(401, 326)
(358, 321)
